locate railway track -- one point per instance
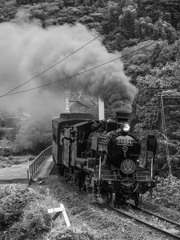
(174, 227)
(137, 215)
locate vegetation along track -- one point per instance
(152, 220)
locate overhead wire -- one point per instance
(52, 66)
(75, 75)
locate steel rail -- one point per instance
(146, 223)
(143, 222)
(156, 215)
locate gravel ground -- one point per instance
(169, 213)
(165, 199)
(86, 215)
(12, 161)
(90, 220)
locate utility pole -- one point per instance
(66, 101)
(165, 134)
(81, 98)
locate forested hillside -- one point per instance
(147, 33)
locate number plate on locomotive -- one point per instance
(121, 141)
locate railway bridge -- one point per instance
(41, 167)
(29, 172)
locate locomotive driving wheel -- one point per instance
(138, 199)
(110, 197)
(87, 184)
(81, 180)
(61, 170)
(119, 199)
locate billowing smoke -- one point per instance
(27, 49)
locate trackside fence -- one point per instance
(35, 165)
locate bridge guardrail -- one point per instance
(35, 165)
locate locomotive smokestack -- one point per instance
(101, 109)
(122, 116)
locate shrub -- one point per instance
(167, 193)
(35, 222)
(14, 203)
(72, 234)
(26, 216)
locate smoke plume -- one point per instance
(27, 49)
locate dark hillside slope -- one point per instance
(123, 23)
(127, 26)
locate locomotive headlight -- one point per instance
(126, 127)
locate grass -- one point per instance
(14, 160)
(25, 212)
(27, 217)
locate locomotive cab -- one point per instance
(61, 131)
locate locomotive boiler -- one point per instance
(103, 157)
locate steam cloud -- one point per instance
(27, 49)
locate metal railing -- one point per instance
(35, 165)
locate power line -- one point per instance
(75, 75)
(10, 91)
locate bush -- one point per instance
(14, 202)
(26, 216)
(167, 193)
(35, 222)
(72, 234)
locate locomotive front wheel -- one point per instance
(119, 200)
(110, 197)
(138, 199)
(90, 190)
(61, 170)
(106, 197)
(81, 181)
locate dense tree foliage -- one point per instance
(146, 31)
(123, 23)
(152, 68)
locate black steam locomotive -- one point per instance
(103, 156)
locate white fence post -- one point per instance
(57, 212)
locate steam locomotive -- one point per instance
(103, 156)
